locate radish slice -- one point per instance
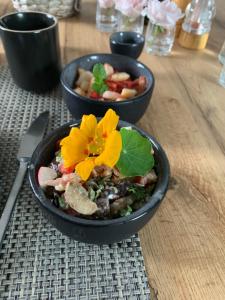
(60, 183)
(45, 174)
(77, 198)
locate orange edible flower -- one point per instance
(93, 144)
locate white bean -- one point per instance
(128, 93)
(109, 95)
(85, 85)
(108, 69)
(83, 76)
(79, 91)
(121, 76)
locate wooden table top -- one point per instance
(184, 244)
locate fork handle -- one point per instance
(12, 199)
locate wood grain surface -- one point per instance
(184, 244)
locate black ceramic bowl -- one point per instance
(129, 110)
(127, 43)
(96, 231)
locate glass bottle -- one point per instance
(197, 24)
(182, 4)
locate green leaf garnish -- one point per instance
(99, 72)
(136, 158)
(99, 85)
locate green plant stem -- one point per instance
(157, 29)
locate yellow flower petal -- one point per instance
(65, 140)
(107, 124)
(111, 153)
(85, 168)
(74, 148)
(88, 126)
(92, 139)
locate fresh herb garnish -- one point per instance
(136, 158)
(99, 85)
(95, 188)
(58, 156)
(62, 203)
(91, 194)
(126, 212)
(138, 192)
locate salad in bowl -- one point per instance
(100, 172)
(99, 180)
(94, 83)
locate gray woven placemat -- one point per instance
(36, 260)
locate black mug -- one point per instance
(31, 44)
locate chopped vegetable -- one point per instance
(120, 204)
(77, 198)
(45, 174)
(65, 170)
(126, 212)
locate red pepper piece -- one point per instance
(112, 85)
(127, 84)
(94, 95)
(64, 170)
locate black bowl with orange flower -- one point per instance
(97, 231)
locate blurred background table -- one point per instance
(184, 244)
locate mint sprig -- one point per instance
(99, 85)
(136, 158)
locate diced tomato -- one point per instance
(127, 84)
(137, 179)
(112, 85)
(64, 170)
(94, 95)
(118, 86)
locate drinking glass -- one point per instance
(126, 23)
(106, 18)
(159, 40)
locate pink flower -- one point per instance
(106, 3)
(130, 8)
(165, 13)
